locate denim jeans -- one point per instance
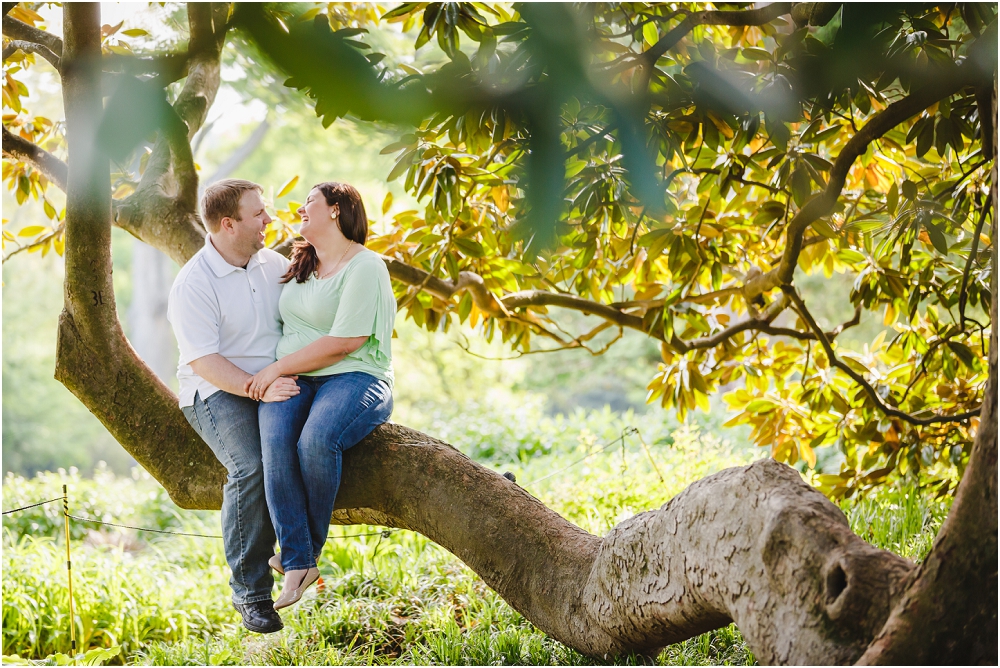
(302, 442)
(228, 424)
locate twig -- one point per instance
(859, 379)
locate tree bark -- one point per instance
(93, 357)
(754, 545)
(949, 613)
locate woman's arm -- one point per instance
(321, 353)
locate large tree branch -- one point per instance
(163, 210)
(20, 30)
(947, 614)
(19, 148)
(747, 17)
(823, 203)
(31, 47)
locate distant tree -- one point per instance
(668, 169)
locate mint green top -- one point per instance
(356, 301)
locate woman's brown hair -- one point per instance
(352, 220)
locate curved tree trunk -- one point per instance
(755, 545)
(949, 614)
(93, 357)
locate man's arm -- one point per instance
(228, 377)
(222, 373)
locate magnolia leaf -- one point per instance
(287, 188)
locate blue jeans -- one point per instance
(228, 424)
(302, 442)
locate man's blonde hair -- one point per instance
(222, 200)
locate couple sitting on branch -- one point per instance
(283, 366)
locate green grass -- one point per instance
(398, 600)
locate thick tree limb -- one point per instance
(19, 148)
(163, 210)
(31, 47)
(20, 30)
(746, 17)
(859, 379)
(949, 613)
(176, 134)
(93, 358)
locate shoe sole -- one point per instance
(302, 590)
(262, 630)
(259, 629)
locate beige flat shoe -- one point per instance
(275, 563)
(296, 583)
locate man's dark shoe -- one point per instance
(260, 616)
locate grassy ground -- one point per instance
(394, 600)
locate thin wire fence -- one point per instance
(382, 533)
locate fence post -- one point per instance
(69, 576)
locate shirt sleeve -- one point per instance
(194, 316)
(359, 302)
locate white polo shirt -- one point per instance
(215, 307)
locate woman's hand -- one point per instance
(283, 389)
(257, 385)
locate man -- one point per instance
(224, 310)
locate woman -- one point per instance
(338, 315)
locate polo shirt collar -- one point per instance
(218, 263)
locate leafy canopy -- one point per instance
(676, 170)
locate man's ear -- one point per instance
(226, 224)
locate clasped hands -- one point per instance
(269, 385)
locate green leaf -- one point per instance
(850, 255)
(964, 353)
(801, 185)
(936, 234)
(649, 33)
(909, 190)
(470, 247)
(925, 139)
(753, 53)
(135, 32)
(387, 203)
(892, 199)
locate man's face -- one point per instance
(248, 232)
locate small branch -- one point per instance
(746, 182)
(800, 306)
(757, 323)
(37, 242)
(32, 47)
(15, 29)
(18, 148)
(963, 295)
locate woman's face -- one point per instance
(318, 217)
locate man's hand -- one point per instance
(258, 384)
(282, 389)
